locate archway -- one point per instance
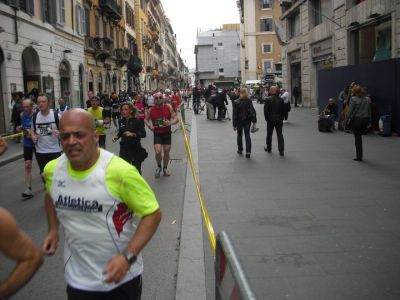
(31, 70)
(108, 84)
(100, 83)
(81, 100)
(65, 81)
(114, 83)
(91, 81)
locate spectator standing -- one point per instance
(285, 97)
(359, 116)
(296, 95)
(274, 112)
(243, 115)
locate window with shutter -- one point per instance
(79, 19)
(87, 21)
(83, 19)
(60, 12)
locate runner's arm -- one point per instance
(49, 244)
(174, 116)
(117, 266)
(16, 245)
(147, 119)
(3, 146)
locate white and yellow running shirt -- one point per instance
(96, 209)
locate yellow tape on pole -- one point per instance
(204, 211)
(11, 136)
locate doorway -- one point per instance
(31, 70)
(295, 82)
(65, 82)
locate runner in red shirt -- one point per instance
(162, 117)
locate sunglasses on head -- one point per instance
(158, 97)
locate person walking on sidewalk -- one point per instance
(243, 115)
(95, 195)
(274, 112)
(162, 117)
(131, 130)
(29, 147)
(45, 132)
(16, 245)
(285, 97)
(359, 116)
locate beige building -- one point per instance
(44, 53)
(260, 50)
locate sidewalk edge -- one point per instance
(191, 270)
(10, 159)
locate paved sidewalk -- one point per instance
(313, 224)
(14, 152)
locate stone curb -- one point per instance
(191, 271)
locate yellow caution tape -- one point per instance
(11, 136)
(204, 211)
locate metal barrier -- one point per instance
(230, 279)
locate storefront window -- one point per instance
(372, 43)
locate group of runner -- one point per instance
(130, 115)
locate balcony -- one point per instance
(112, 8)
(122, 55)
(135, 65)
(103, 48)
(89, 44)
(147, 42)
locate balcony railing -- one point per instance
(122, 55)
(112, 8)
(103, 48)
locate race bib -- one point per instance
(43, 129)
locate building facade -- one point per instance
(218, 55)
(322, 34)
(260, 50)
(106, 53)
(41, 49)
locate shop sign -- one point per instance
(322, 48)
(295, 56)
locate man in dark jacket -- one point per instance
(274, 112)
(221, 101)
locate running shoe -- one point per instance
(27, 193)
(166, 172)
(158, 172)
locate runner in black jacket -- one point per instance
(131, 130)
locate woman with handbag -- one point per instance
(243, 115)
(131, 130)
(358, 118)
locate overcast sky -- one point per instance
(188, 16)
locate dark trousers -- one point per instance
(128, 154)
(245, 127)
(286, 115)
(277, 124)
(131, 290)
(44, 158)
(221, 112)
(359, 126)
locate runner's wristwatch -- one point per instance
(130, 257)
